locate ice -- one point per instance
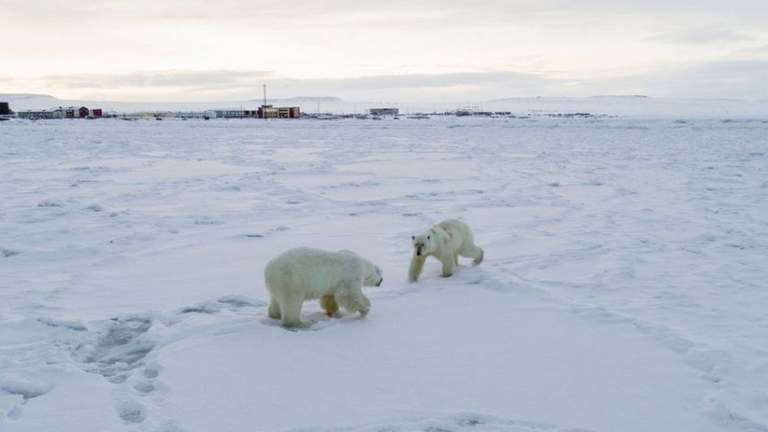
(623, 287)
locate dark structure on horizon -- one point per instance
(62, 113)
(233, 113)
(384, 111)
(268, 112)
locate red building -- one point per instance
(96, 112)
(75, 112)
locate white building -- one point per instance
(57, 113)
(210, 114)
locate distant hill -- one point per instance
(567, 98)
(9, 97)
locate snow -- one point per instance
(623, 287)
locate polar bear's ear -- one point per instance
(413, 237)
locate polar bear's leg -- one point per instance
(353, 300)
(329, 305)
(469, 250)
(365, 305)
(449, 265)
(274, 308)
(456, 259)
(358, 303)
(290, 311)
(417, 265)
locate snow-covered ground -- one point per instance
(624, 287)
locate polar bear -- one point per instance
(336, 278)
(445, 241)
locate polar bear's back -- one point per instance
(456, 232)
(455, 225)
(311, 273)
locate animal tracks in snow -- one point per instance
(123, 350)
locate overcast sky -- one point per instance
(388, 50)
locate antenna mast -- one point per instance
(264, 107)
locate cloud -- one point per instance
(707, 36)
(278, 13)
(737, 79)
(191, 80)
(757, 50)
(426, 81)
(392, 50)
(240, 84)
(453, 87)
(743, 79)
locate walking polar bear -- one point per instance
(445, 241)
(336, 278)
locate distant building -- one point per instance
(58, 113)
(144, 115)
(268, 111)
(235, 113)
(61, 113)
(76, 112)
(5, 108)
(210, 114)
(384, 111)
(158, 115)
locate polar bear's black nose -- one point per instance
(379, 284)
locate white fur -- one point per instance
(444, 241)
(306, 273)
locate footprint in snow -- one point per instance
(132, 412)
(7, 253)
(16, 391)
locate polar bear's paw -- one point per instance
(479, 258)
(295, 325)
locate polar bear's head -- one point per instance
(423, 244)
(373, 275)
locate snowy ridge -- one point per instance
(460, 422)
